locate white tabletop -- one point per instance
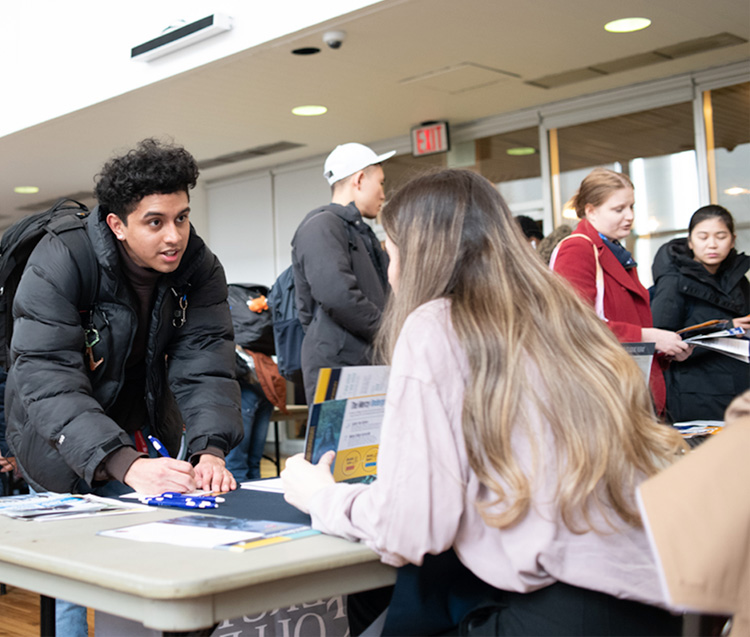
(175, 588)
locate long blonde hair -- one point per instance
(457, 239)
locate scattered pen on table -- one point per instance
(202, 497)
(186, 503)
(180, 500)
(183, 500)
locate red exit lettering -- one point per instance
(430, 139)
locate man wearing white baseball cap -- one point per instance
(340, 270)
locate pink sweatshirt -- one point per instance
(423, 499)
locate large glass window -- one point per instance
(402, 166)
(512, 162)
(656, 149)
(730, 110)
(509, 160)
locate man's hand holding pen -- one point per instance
(158, 475)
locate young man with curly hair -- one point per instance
(153, 356)
(80, 410)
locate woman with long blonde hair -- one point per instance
(516, 427)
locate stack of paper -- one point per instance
(58, 506)
(698, 427)
(719, 336)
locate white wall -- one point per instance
(64, 56)
(297, 192)
(252, 219)
(240, 228)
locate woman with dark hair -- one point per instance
(696, 279)
(516, 430)
(604, 273)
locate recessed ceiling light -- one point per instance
(306, 50)
(627, 25)
(736, 190)
(519, 151)
(26, 190)
(309, 111)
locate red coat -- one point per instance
(626, 301)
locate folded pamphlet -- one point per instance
(732, 342)
(212, 531)
(41, 507)
(346, 418)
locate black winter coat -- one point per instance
(340, 293)
(684, 294)
(56, 407)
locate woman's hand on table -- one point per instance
(302, 480)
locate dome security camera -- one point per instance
(334, 39)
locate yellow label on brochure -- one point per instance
(355, 463)
(324, 376)
(238, 548)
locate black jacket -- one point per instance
(684, 294)
(57, 408)
(340, 289)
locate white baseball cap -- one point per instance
(347, 159)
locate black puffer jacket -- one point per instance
(340, 291)
(56, 408)
(684, 294)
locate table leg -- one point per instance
(277, 447)
(46, 616)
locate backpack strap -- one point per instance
(350, 229)
(79, 245)
(599, 302)
(368, 238)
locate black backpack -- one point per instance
(253, 330)
(287, 330)
(18, 243)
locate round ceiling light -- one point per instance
(627, 25)
(737, 190)
(309, 111)
(26, 190)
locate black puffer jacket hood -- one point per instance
(676, 258)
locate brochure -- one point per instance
(643, 354)
(346, 418)
(58, 506)
(694, 428)
(213, 531)
(269, 485)
(732, 342)
(707, 327)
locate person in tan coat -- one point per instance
(698, 515)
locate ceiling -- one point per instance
(403, 62)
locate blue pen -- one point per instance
(189, 496)
(180, 504)
(158, 446)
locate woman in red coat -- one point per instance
(604, 203)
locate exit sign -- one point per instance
(430, 138)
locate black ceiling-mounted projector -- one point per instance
(181, 37)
